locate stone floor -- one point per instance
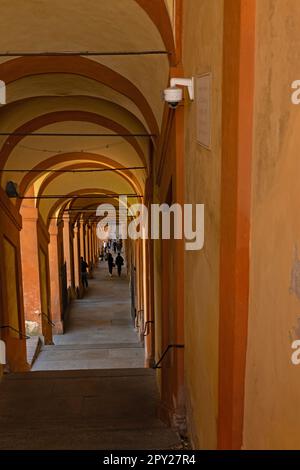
(82, 410)
(89, 391)
(33, 345)
(100, 332)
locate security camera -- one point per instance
(173, 95)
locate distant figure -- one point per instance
(115, 246)
(119, 245)
(110, 262)
(119, 263)
(83, 269)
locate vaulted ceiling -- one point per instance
(81, 94)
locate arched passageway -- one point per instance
(85, 133)
(78, 130)
(99, 331)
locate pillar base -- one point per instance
(79, 292)
(173, 418)
(16, 366)
(71, 294)
(58, 329)
(16, 356)
(149, 362)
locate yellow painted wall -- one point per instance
(202, 53)
(272, 412)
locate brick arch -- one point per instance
(85, 207)
(100, 160)
(158, 13)
(52, 176)
(60, 116)
(21, 67)
(100, 100)
(83, 191)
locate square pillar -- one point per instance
(55, 246)
(68, 253)
(76, 251)
(11, 293)
(30, 270)
(35, 270)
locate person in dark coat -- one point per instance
(110, 262)
(119, 263)
(83, 269)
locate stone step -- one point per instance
(95, 408)
(71, 347)
(92, 409)
(139, 372)
(33, 347)
(56, 358)
(68, 438)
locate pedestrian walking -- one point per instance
(83, 269)
(111, 264)
(119, 263)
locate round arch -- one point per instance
(60, 116)
(89, 159)
(14, 69)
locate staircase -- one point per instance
(90, 356)
(82, 409)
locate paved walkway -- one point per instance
(82, 410)
(59, 406)
(100, 332)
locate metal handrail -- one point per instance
(170, 346)
(146, 331)
(14, 329)
(48, 318)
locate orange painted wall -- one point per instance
(10, 225)
(35, 271)
(30, 266)
(272, 413)
(55, 255)
(168, 268)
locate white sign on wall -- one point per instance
(203, 100)
(2, 92)
(2, 353)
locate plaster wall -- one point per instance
(272, 386)
(202, 53)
